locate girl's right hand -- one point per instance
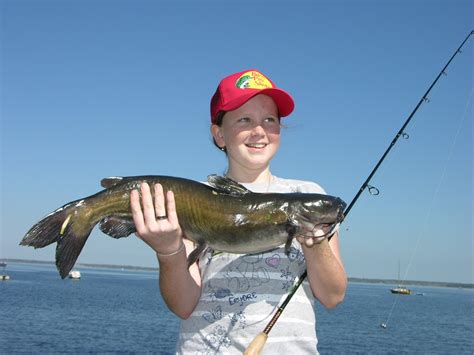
(156, 223)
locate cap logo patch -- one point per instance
(253, 80)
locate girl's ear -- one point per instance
(216, 132)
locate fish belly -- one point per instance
(243, 241)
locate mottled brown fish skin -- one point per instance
(225, 216)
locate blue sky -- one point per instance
(104, 88)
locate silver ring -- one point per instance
(161, 217)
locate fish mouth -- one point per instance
(324, 229)
(340, 214)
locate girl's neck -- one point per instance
(263, 176)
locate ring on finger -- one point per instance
(161, 217)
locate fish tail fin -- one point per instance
(70, 245)
(46, 231)
(68, 228)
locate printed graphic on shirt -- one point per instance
(288, 278)
(296, 255)
(213, 315)
(219, 293)
(247, 272)
(241, 299)
(273, 261)
(215, 342)
(218, 340)
(238, 318)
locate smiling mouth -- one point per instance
(256, 145)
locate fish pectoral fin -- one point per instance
(227, 186)
(117, 227)
(291, 230)
(196, 253)
(110, 181)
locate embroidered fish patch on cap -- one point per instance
(253, 80)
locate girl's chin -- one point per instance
(259, 159)
(254, 157)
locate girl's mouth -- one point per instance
(256, 145)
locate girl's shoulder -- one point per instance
(292, 185)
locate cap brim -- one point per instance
(282, 99)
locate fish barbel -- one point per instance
(223, 215)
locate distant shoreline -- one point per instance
(351, 279)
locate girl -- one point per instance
(225, 300)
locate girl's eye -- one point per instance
(244, 119)
(271, 120)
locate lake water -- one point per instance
(111, 311)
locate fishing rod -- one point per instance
(259, 341)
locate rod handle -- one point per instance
(257, 344)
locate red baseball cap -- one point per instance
(236, 89)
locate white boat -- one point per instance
(3, 275)
(75, 275)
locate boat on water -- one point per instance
(400, 290)
(3, 275)
(75, 275)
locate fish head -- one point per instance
(317, 215)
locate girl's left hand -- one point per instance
(310, 241)
(315, 236)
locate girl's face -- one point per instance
(250, 133)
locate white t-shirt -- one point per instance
(240, 294)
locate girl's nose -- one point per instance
(258, 130)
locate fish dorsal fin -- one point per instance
(110, 181)
(228, 186)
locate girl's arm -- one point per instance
(180, 286)
(326, 274)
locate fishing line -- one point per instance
(443, 174)
(433, 200)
